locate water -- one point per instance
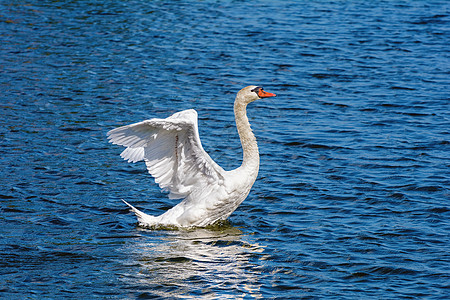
(352, 198)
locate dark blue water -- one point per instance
(352, 199)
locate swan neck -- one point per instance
(248, 140)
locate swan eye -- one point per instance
(256, 89)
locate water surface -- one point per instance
(352, 198)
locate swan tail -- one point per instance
(143, 218)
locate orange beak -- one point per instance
(264, 94)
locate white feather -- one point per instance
(172, 152)
(174, 156)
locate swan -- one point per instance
(174, 156)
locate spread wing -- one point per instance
(172, 151)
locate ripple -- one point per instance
(352, 195)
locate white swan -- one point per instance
(172, 150)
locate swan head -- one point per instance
(252, 93)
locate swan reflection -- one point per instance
(197, 264)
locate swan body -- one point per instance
(174, 156)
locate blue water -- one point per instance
(352, 198)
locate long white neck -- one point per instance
(250, 162)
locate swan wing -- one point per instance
(172, 151)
